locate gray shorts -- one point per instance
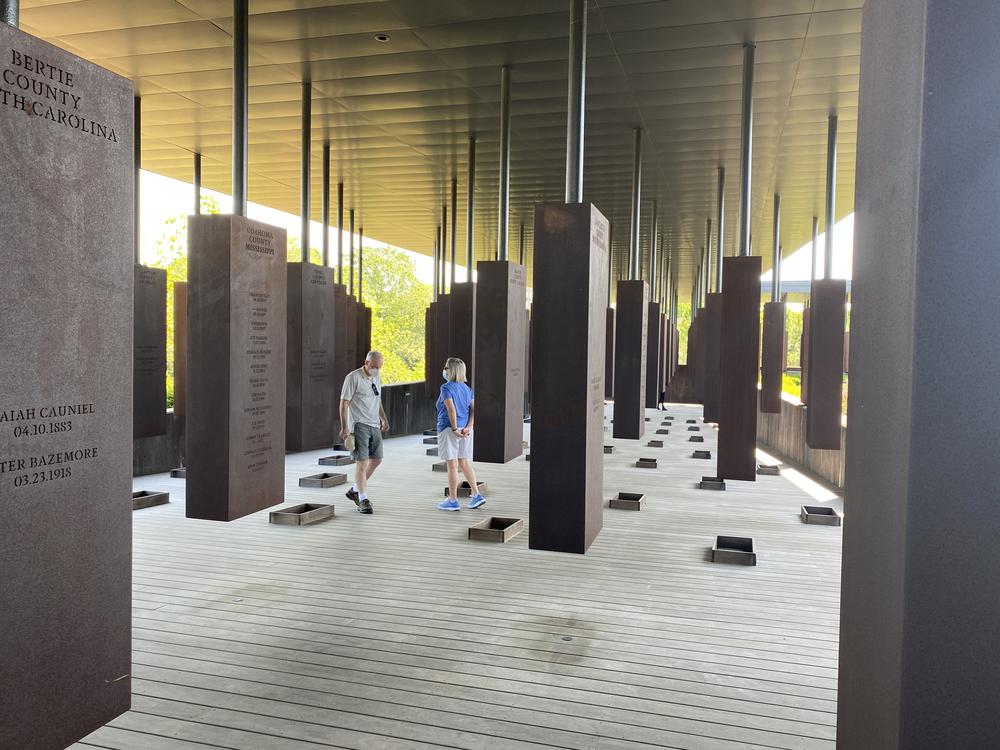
(367, 442)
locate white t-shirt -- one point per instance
(364, 394)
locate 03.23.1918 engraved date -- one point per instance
(37, 477)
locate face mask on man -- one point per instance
(373, 371)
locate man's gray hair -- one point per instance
(373, 355)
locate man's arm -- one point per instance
(382, 418)
(346, 394)
(345, 429)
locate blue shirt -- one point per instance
(461, 396)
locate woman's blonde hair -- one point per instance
(455, 369)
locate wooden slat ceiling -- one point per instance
(398, 114)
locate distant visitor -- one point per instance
(362, 422)
(456, 416)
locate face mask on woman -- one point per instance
(444, 374)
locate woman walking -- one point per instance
(456, 416)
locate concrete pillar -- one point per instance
(825, 368)
(567, 467)
(921, 577)
(609, 355)
(826, 364)
(631, 329)
(462, 330)
(772, 363)
(711, 378)
(499, 349)
(740, 352)
(652, 355)
(66, 339)
(631, 323)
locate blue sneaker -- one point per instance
(449, 505)
(475, 502)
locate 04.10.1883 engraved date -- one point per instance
(42, 428)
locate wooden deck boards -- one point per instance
(394, 631)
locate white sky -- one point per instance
(163, 198)
(798, 265)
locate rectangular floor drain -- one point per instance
(696, 439)
(322, 481)
(495, 529)
(711, 483)
(701, 454)
(646, 463)
(771, 470)
(627, 501)
(734, 549)
(147, 499)
(820, 515)
(336, 460)
(301, 515)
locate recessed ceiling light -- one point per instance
(383, 37)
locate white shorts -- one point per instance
(452, 447)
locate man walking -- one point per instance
(362, 415)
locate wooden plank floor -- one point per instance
(394, 631)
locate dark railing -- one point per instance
(409, 407)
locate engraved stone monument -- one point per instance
(312, 394)
(500, 321)
(65, 394)
(570, 326)
(237, 310)
(149, 364)
(180, 348)
(631, 328)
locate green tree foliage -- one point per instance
(391, 289)
(295, 252)
(792, 384)
(398, 301)
(683, 325)
(793, 333)
(171, 254)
